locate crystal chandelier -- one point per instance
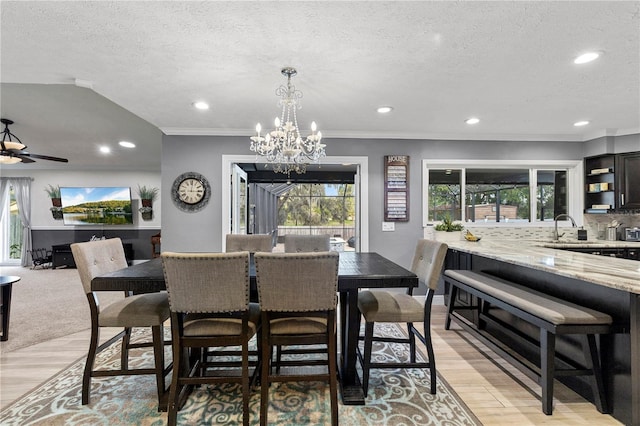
(283, 148)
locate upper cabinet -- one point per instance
(628, 173)
(600, 183)
(611, 182)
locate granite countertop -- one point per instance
(621, 274)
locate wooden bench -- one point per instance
(551, 315)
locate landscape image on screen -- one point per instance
(96, 205)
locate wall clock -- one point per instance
(190, 192)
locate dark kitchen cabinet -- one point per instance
(611, 182)
(628, 178)
(460, 260)
(600, 183)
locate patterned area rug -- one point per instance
(396, 397)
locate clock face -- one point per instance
(190, 192)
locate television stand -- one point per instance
(61, 255)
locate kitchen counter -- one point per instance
(621, 274)
(606, 284)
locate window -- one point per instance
(318, 209)
(500, 192)
(551, 194)
(444, 194)
(11, 244)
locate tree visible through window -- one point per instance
(11, 230)
(317, 205)
(496, 194)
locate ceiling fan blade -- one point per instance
(43, 157)
(24, 158)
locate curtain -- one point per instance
(22, 190)
(4, 193)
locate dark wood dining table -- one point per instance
(356, 271)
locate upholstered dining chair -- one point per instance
(397, 307)
(95, 258)
(298, 298)
(306, 243)
(248, 242)
(209, 302)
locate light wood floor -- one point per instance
(493, 390)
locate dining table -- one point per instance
(356, 271)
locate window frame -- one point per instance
(575, 183)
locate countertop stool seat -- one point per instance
(210, 308)
(95, 258)
(298, 299)
(385, 306)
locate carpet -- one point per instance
(47, 304)
(396, 397)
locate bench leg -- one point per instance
(453, 292)
(547, 367)
(593, 363)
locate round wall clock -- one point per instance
(190, 192)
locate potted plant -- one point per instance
(446, 227)
(147, 196)
(54, 194)
(56, 201)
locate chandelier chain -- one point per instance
(284, 148)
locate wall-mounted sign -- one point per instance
(396, 188)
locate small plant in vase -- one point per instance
(449, 230)
(56, 201)
(147, 196)
(448, 225)
(54, 194)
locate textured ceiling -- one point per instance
(436, 63)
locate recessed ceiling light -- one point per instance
(385, 109)
(127, 144)
(581, 123)
(201, 105)
(105, 149)
(472, 120)
(586, 57)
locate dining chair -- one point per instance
(298, 298)
(95, 258)
(306, 243)
(302, 244)
(396, 307)
(248, 242)
(209, 303)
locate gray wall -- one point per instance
(612, 145)
(202, 231)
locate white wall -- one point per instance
(40, 203)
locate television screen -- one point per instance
(109, 205)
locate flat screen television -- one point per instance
(96, 205)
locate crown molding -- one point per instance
(328, 134)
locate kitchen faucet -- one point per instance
(556, 237)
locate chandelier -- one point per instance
(283, 148)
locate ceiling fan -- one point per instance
(12, 150)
